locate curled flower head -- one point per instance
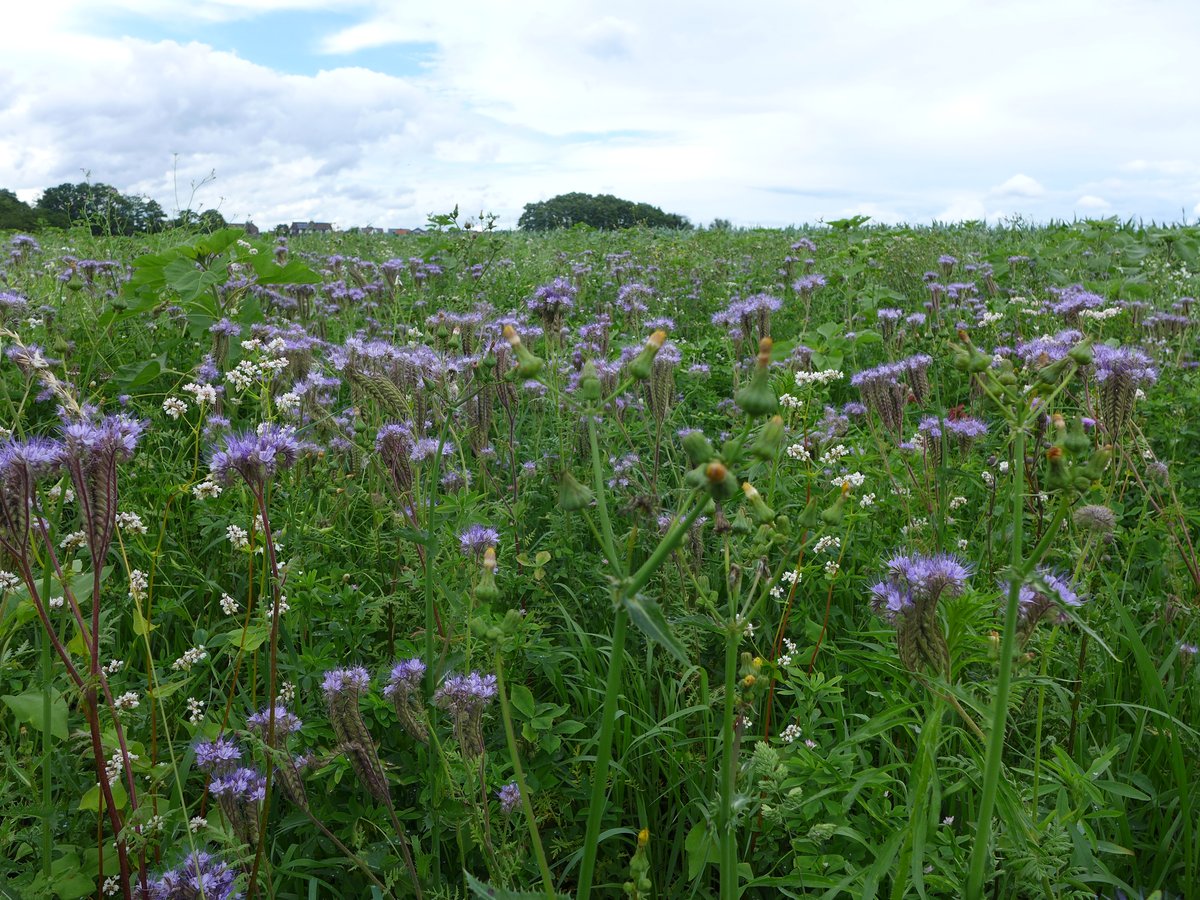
(245, 785)
(405, 677)
(473, 691)
(510, 798)
(200, 874)
(477, 538)
(1044, 598)
(220, 755)
(285, 722)
(341, 681)
(256, 455)
(908, 597)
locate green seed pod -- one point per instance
(643, 363)
(770, 440)
(573, 495)
(589, 383)
(1081, 353)
(761, 513)
(698, 448)
(1057, 477)
(721, 483)
(757, 398)
(528, 365)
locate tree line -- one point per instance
(100, 207)
(602, 211)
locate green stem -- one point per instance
(591, 837)
(526, 803)
(995, 750)
(610, 543)
(47, 738)
(728, 843)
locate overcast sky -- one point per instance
(382, 111)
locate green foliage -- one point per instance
(708, 632)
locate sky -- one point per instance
(771, 113)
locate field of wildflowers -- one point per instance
(847, 562)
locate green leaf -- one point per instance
(135, 374)
(648, 616)
(28, 707)
(522, 700)
(91, 800)
(701, 849)
(140, 626)
(488, 892)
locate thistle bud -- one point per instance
(757, 398)
(589, 382)
(573, 495)
(834, 514)
(1098, 463)
(1077, 443)
(1056, 478)
(1081, 353)
(758, 507)
(698, 448)
(486, 589)
(528, 365)
(721, 483)
(642, 364)
(769, 441)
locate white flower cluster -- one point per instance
(267, 362)
(800, 452)
(138, 584)
(114, 666)
(57, 491)
(204, 393)
(128, 700)
(958, 502)
(787, 401)
(792, 576)
(288, 403)
(8, 580)
(269, 609)
(829, 543)
(1100, 314)
(229, 606)
(131, 522)
(195, 710)
(238, 536)
(990, 318)
(190, 657)
(174, 407)
(207, 489)
(833, 454)
(73, 541)
(867, 500)
(116, 765)
(790, 734)
(57, 602)
(823, 377)
(854, 479)
(831, 569)
(789, 650)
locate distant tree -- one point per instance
(14, 213)
(721, 225)
(602, 211)
(211, 220)
(100, 207)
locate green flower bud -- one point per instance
(572, 495)
(642, 364)
(721, 483)
(1081, 353)
(1077, 443)
(1057, 477)
(762, 513)
(528, 365)
(698, 448)
(770, 440)
(589, 382)
(757, 398)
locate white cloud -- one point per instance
(712, 114)
(1091, 201)
(1020, 186)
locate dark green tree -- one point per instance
(15, 214)
(603, 211)
(100, 207)
(211, 220)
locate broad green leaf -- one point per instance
(91, 800)
(648, 616)
(28, 707)
(522, 699)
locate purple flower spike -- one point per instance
(256, 455)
